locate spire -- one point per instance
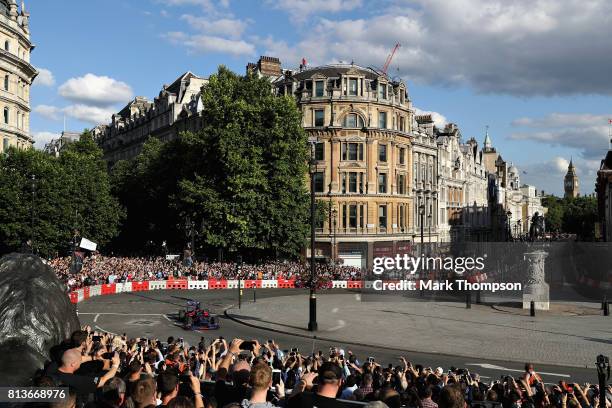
(487, 142)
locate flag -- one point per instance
(304, 64)
(610, 121)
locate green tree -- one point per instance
(44, 198)
(240, 179)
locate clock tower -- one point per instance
(570, 184)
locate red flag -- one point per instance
(610, 121)
(304, 63)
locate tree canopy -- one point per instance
(240, 180)
(44, 198)
(572, 215)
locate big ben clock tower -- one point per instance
(570, 183)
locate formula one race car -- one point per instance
(193, 317)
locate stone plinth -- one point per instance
(536, 289)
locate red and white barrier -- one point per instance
(79, 295)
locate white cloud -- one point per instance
(48, 111)
(42, 138)
(202, 44)
(587, 133)
(225, 27)
(44, 78)
(439, 120)
(521, 47)
(91, 114)
(96, 90)
(301, 9)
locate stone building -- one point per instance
(16, 74)
(55, 146)
(603, 187)
(176, 109)
(570, 182)
(361, 124)
(425, 179)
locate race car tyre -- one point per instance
(189, 321)
(181, 315)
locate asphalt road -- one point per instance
(152, 314)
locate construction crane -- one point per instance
(390, 58)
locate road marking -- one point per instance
(167, 318)
(334, 310)
(496, 367)
(124, 314)
(106, 331)
(96, 318)
(341, 324)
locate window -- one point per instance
(382, 183)
(6, 115)
(352, 87)
(319, 88)
(6, 46)
(319, 117)
(401, 184)
(353, 216)
(382, 216)
(352, 151)
(382, 153)
(5, 144)
(319, 151)
(352, 120)
(6, 82)
(382, 120)
(319, 179)
(402, 155)
(382, 91)
(352, 182)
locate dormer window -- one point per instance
(352, 90)
(319, 88)
(382, 91)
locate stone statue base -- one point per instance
(539, 294)
(536, 289)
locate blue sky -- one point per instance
(535, 71)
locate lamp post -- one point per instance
(518, 228)
(334, 216)
(422, 220)
(312, 322)
(429, 219)
(509, 220)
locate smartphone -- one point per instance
(295, 350)
(270, 341)
(247, 345)
(276, 377)
(370, 359)
(96, 338)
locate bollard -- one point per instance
(606, 309)
(478, 297)
(468, 300)
(254, 293)
(532, 308)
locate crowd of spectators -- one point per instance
(105, 370)
(98, 269)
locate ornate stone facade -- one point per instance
(174, 110)
(361, 123)
(16, 74)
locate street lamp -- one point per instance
(334, 251)
(422, 221)
(509, 230)
(429, 219)
(312, 322)
(518, 227)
